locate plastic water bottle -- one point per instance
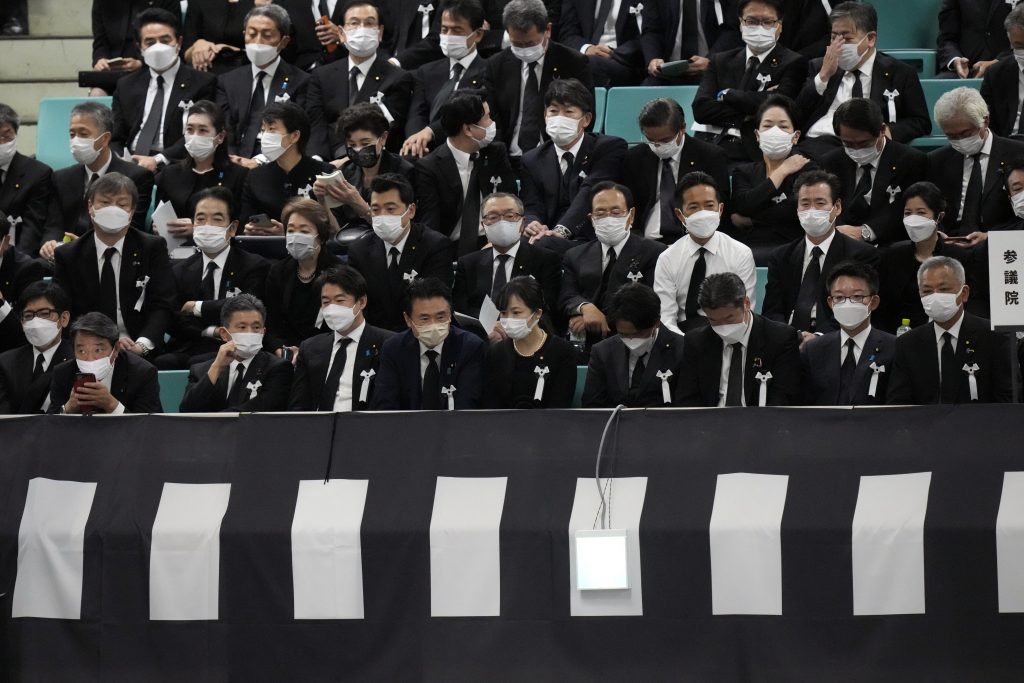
(904, 328)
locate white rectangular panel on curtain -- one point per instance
(1010, 543)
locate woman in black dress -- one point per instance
(530, 368)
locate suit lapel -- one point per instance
(868, 355)
(620, 368)
(887, 166)
(371, 84)
(409, 258)
(130, 258)
(755, 362)
(485, 272)
(996, 168)
(711, 369)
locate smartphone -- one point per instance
(117, 63)
(286, 353)
(82, 378)
(261, 220)
(324, 20)
(959, 240)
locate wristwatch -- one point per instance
(562, 231)
(866, 233)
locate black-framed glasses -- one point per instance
(47, 313)
(757, 21)
(856, 298)
(492, 218)
(614, 213)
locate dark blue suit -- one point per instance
(819, 359)
(399, 385)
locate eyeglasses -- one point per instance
(47, 313)
(510, 216)
(856, 298)
(354, 23)
(755, 21)
(614, 213)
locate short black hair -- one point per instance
(606, 185)
(386, 182)
(1015, 164)
(569, 91)
(774, 4)
(9, 116)
(156, 15)
(695, 178)
(216, 115)
(863, 15)
(636, 303)
(292, 116)
(359, 3)
(464, 108)
(469, 10)
(721, 290)
(362, 116)
(241, 303)
(426, 288)
(114, 183)
(861, 114)
(663, 111)
(96, 324)
(344, 277)
(857, 269)
(816, 177)
(220, 194)
(929, 193)
(782, 102)
(49, 290)
(526, 288)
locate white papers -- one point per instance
(162, 215)
(488, 314)
(1010, 543)
(331, 179)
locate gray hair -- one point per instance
(114, 183)
(99, 113)
(863, 15)
(722, 290)
(97, 325)
(1015, 19)
(522, 15)
(503, 195)
(276, 14)
(961, 101)
(943, 262)
(239, 304)
(9, 116)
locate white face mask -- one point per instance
(211, 239)
(611, 230)
(389, 228)
(562, 129)
(84, 150)
(271, 146)
(160, 57)
(200, 147)
(730, 332)
(490, 132)
(638, 345)
(815, 222)
(40, 332)
(260, 54)
(529, 55)
(433, 334)
(300, 246)
(850, 314)
(111, 219)
(702, 224)
(666, 150)
(759, 39)
(868, 155)
(362, 42)
(968, 146)
(1018, 204)
(339, 317)
(247, 344)
(849, 56)
(918, 228)
(7, 151)
(517, 328)
(1019, 56)
(455, 47)
(100, 368)
(941, 306)
(503, 233)
(775, 143)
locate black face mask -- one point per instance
(367, 157)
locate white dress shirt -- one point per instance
(608, 30)
(511, 253)
(823, 126)
(102, 172)
(47, 362)
(465, 167)
(424, 360)
(220, 259)
(652, 229)
(161, 111)
(986, 153)
(524, 72)
(634, 357)
(702, 41)
(1020, 98)
(115, 263)
(723, 378)
(233, 373)
(954, 332)
(343, 399)
(364, 69)
(808, 248)
(859, 173)
(466, 62)
(859, 340)
(574, 150)
(270, 70)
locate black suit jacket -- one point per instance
(113, 31)
(178, 184)
(134, 383)
(218, 22)
(972, 29)
(70, 213)
(403, 35)
(17, 271)
(130, 107)
(428, 81)
(805, 27)
(328, 97)
(786, 272)
(915, 375)
(661, 26)
(314, 358)
(773, 348)
(772, 209)
(899, 167)
(819, 359)
(474, 276)
(19, 395)
(576, 28)
(608, 373)
(999, 88)
(510, 381)
(582, 269)
(76, 270)
(234, 95)
(26, 193)
(274, 375)
(353, 173)
(912, 116)
(305, 51)
(946, 169)
(268, 188)
(400, 385)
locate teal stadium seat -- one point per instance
(52, 134)
(910, 24)
(762, 282)
(922, 60)
(152, 208)
(600, 101)
(934, 88)
(624, 105)
(172, 389)
(581, 380)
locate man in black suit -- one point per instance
(44, 312)
(451, 180)
(653, 169)
(336, 371)
(124, 382)
(1001, 87)
(91, 129)
(521, 74)
(608, 34)
(17, 273)
(151, 104)
(432, 365)
(690, 31)
(113, 31)
(397, 251)
(268, 79)
(638, 367)
(972, 36)
(956, 358)
(594, 271)
(118, 270)
(873, 171)
(26, 187)
(852, 67)
(313, 42)
(412, 34)
(852, 365)
(805, 27)
(796, 293)
(463, 67)
(972, 169)
(242, 377)
(737, 82)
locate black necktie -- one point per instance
(470, 234)
(500, 277)
(734, 390)
(353, 85)
(863, 188)
(324, 12)
(93, 177)
(108, 286)
(533, 112)
(431, 399)
(858, 87)
(846, 371)
(445, 93)
(949, 375)
(602, 18)
(700, 269)
(235, 395)
(394, 273)
(150, 135)
(606, 275)
(565, 193)
(747, 82)
(207, 286)
(330, 388)
(38, 371)
(256, 106)
(665, 192)
(689, 45)
(638, 372)
(809, 290)
(971, 220)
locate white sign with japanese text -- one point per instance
(1006, 279)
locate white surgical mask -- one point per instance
(775, 143)
(1018, 204)
(666, 150)
(111, 219)
(850, 314)
(1019, 56)
(7, 151)
(528, 55)
(339, 317)
(759, 39)
(490, 132)
(261, 54)
(919, 228)
(247, 344)
(160, 57)
(200, 147)
(611, 230)
(455, 47)
(702, 224)
(389, 228)
(39, 331)
(516, 328)
(362, 42)
(503, 233)
(100, 368)
(730, 332)
(638, 345)
(211, 239)
(815, 222)
(270, 145)
(968, 146)
(300, 245)
(84, 150)
(562, 129)
(868, 155)
(940, 306)
(433, 334)
(849, 57)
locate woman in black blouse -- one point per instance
(530, 361)
(214, 32)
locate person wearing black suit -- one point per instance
(853, 67)
(852, 365)
(432, 365)
(451, 180)
(740, 358)
(652, 170)
(739, 81)
(805, 27)
(638, 367)
(44, 312)
(17, 273)
(113, 30)
(313, 43)
(955, 359)
(687, 30)
(91, 129)
(972, 36)
(150, 105)
(412, 30)
(124, 382)
(594, 271)
(795, 293)
(1001, 90)
(872, 171)
(26, 187)
(244, 92)
(214, 35)
(532, 61)
(336, 371)
(242, 377)
(609, 35)
(397, 251)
